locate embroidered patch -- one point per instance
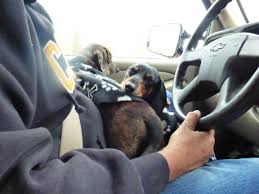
(60, 66)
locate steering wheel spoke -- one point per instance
(187, 93)
(224, 93)
(192, 57)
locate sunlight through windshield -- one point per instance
(122, 26)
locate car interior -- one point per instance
(213, 68)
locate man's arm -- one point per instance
(25, 168)
(188, 149)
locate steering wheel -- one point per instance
(227, 66)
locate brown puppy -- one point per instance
(97, 56)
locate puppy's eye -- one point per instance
(133, 71)
(148, 78)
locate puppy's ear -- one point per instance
(98, 59)
(158, 100)
(103, 59)
(108, 55)
(108, 65)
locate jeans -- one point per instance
(238, 176)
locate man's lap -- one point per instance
(221, 176)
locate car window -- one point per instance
(236, 14)
(122, 26)
(251, 9)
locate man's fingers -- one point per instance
(211, 132)
(191, 120)
(212, 136)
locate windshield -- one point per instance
(122, 26)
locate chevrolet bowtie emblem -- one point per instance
(217, 47)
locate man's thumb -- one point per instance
(191, 120)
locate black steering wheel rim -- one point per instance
(217, 74)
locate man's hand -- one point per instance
(188, 149)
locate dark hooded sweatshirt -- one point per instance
(36, 94)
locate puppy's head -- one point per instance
(143, 81)
(100, 58)
(140, 80)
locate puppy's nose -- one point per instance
(129, 88)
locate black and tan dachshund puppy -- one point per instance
(143, 80)
(96, 56)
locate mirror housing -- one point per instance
(167, 40)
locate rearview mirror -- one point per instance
(167, 40)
